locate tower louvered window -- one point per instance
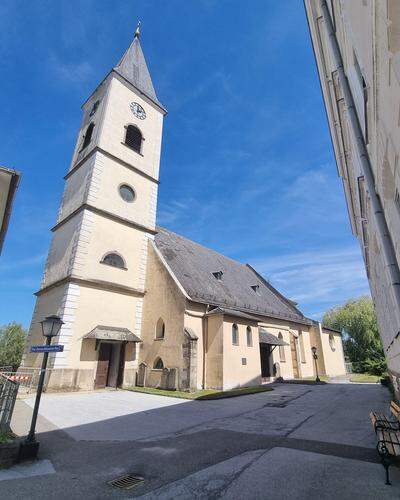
(88, 136)
(134, 138)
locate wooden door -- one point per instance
(120, 379)
(265, 352)
(102, 366)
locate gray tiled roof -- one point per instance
(193, 265)
(269, 338)
(232, 312)
(133, 68)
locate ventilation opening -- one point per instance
(255, 288)
(218, 275)
(126, 482)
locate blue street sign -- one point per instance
(47, 348)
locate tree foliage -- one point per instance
(12, 343)
(361, 341)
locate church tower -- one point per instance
(94, 277)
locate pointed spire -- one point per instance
(137, 32)
(133, 68)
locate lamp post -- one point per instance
(29, 448)
(315, 356)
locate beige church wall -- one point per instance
(62, 250)
(106, 192)
(76, 189)
(108, 236)
(214, 377)
(235, 373)
(306, 364)
(99, 94)
(194, 320)
(118, 115)
(286, 366)
(333, 358)
(46, 305)
(163, 300)
(316, 341)
(100, 307)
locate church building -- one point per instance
(142, 305)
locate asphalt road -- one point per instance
(298, 442)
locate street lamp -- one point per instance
(315, 356)
(50, 328)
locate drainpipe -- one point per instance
(383, 230)
(205, 346)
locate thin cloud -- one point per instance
(73, 72)
(321, 278)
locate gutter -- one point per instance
(377, 208)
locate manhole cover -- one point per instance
(126, 482)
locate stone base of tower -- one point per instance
(76, 379)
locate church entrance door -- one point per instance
(103, 365)
(265, 356)
(110, 365)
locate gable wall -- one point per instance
(237, 374)
(162, 299)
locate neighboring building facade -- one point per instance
(9, 180)
(141, 304)
(357, 49)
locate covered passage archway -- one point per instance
(268, 342)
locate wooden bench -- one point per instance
(382, 421)
(388, 435)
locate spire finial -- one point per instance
(137, 32)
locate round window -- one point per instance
(127, 193)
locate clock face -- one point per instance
(138, 111)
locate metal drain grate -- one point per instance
(126, 482)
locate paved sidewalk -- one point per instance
(299, 441)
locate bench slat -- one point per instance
(391, 439)
(395, 409)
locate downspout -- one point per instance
(383, 230)
(205, 346)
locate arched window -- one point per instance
(282, 356)
(134, 138)
(332, 341)
(235, 335)
(249, 337)
(160, 329)
(88, 136)
(114, 260)
(158, 364)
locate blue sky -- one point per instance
(247, 166)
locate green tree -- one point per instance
(12, 343)
(361, 341)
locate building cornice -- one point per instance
(92, 283)
(124, 81)
(104, 213)
(14, 181)
(98, 149)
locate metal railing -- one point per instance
(27, 378)
(349, 367)
(8, 395)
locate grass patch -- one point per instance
(364, 378)
(202, 395)
(5, 437)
